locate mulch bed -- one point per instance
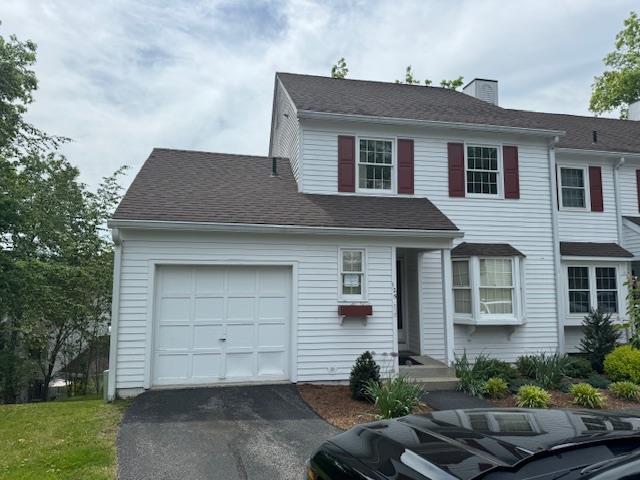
(564, 400)
(335, 405)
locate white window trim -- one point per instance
(470, 288)
(593, 290)
(352, 298)
(499, 177)
(477, 318)
(587, 188)
(394, 166)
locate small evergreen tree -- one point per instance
(600, 337)
(364, 370)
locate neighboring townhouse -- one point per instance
(386, 217)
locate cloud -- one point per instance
(121, 77)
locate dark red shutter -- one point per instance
(511, 173)
(595, 189)
(346, 164)
(405, 166)
(456, 169)
(638, 187)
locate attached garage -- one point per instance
(221, 323)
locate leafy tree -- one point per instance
(339, 70)
(454, 84)
(619, 85)
(409, 79)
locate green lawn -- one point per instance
(59, 440)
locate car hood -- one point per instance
(465, 443)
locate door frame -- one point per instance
(153, 266)
(401, 301)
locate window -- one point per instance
(352, 274)
(573, 187)
(591, 288)
(496, 286)
(607, 289)
(375, 164)
(461, 287)
(579, 301)
(487, 289)
(482, 170)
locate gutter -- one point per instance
(616, 192)
(599, 153)
(311, 115)
(288, 229)
(115, 308)
(553, 190)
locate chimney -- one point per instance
(634, 111)
(483, 89)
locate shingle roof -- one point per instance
(466, 249)
(190, 186)
(590, 249)
(416, 102)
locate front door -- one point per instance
(402, 335)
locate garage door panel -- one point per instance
(272, 335)
(207, 365)
(174, 337)
(175, 309)
(207, 336)
(208, 308)
(172, 368)
(221, 323)
(241, 308)
(271, 363)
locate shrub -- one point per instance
(365, 370)
(394, 397)
(496, 387)
(623, 364)
(600, 337)
(578, 367)
(598, 381)
(469, 381)
(516, 383)
(625, 391)
(587, 396)
(486, 368)
(532, 396)
(526, 366)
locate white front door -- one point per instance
(221, 323)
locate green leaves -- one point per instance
(619, 85)
(339, 70)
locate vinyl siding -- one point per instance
(628, 189)
(524, 223)
(326, 349)
(631, 240)
(286, 133)
(585, 225)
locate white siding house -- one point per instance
(389, 218)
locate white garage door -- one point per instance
(221, 324)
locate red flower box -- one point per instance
(355, 310)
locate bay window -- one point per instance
(592, 287)
(487, 289)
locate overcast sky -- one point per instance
(121, 77)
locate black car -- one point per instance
(491, 444)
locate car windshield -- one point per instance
(591, 462)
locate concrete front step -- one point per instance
(437, 383)
(428, 371)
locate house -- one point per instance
(386, 217)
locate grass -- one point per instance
(59, 440)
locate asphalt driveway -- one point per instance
(249, 432)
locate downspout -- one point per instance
(115, 307)
(616, 191)
(553, 191)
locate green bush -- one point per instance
(598, 381)
(600, 337)
(532, 396)
(486, 368)
(623, 364)
(394, 397)
(578, 367)
(469, 380)
(516, 383)
(586, 396)
(625, 391)
(365, 370)
(496, 388)
(526, 366)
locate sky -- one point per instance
(123, 77)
